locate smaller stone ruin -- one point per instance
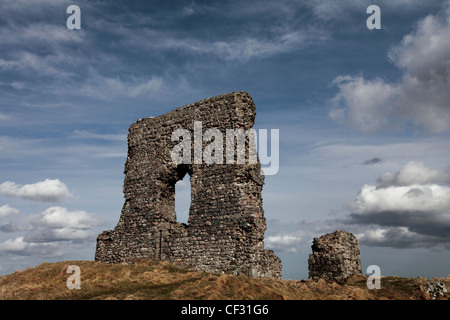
(335, 257)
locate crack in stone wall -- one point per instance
(226, 226)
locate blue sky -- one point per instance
(364, 119)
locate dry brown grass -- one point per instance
(147, 280)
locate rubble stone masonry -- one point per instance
(226, 226)
(335, 256)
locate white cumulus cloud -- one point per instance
(414, 172)
(413, 198)
(60, 224)
(6, 211)
(420, 98)
(19, 246)
(59, 217)
(284, 242)
(48, 231)
(44, 191)
(408, 208)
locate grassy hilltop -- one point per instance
(147, 279)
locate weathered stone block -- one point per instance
(335, 256)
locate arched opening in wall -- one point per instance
(183, 199)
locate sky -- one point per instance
(363, 118)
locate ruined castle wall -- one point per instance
(225, 230)
(335, 256)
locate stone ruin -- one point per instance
(226, 225)
(335, 256)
